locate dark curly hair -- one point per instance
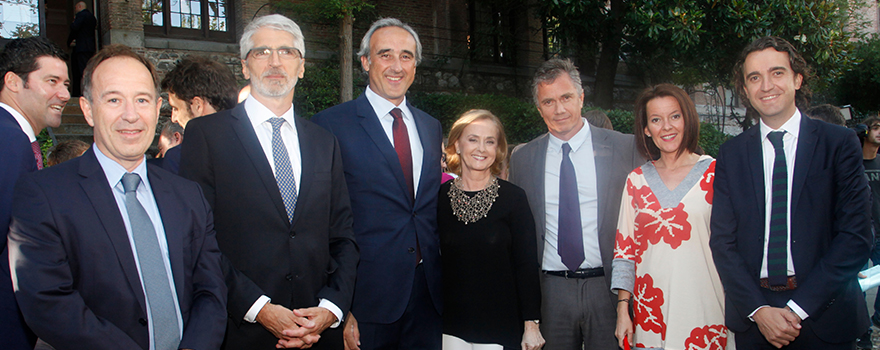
(197, 76)
(795, 60)
(20, 56)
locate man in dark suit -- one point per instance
(107, 252)
(197, 86)
(789, 226)
(575, 251)
(33, 91)
(391, 152)
(82, 39)
(277, 187)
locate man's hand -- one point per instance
(321, 317)
(532, 339)
(779, 326)
(351, 335)
(286, 326)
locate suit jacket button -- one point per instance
(411, 250)
(292, 234)
(289, 277)
(142, 321)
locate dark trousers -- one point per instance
(577, 313)
(14, 333)
(420, 327)
(78, 62)
(806, 340)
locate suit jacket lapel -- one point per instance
(308, 157)
(755, 160)
(806, 146)
(171, 210)
(370, 122)
(94, 184)
(603, 157)
(538, 169)
(422, 128)
(249, 142)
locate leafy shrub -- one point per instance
(521, 120)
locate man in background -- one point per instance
(64, 151)
(33, 92)
(196, 87)
(82, 39)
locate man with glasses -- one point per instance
(280, 201)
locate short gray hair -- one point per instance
(277, 22)
(389, 22)
(550, 70)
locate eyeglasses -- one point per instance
(285, 53)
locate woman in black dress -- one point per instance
(488, 247)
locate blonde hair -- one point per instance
(453, 160)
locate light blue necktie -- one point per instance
(283, 170)
(166, 331)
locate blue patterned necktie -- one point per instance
(166, 331)
(777, 246)
(570, 244)
(283, 170)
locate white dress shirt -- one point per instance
(114, 171)
(383, 108)
(22, 121)
(585, 172)
(792, 129)
(259, 116)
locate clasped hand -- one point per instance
(780, 326)
(300, 328)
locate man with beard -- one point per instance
(283, 217)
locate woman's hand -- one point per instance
(532, 339)
(624, 328)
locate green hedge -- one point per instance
(521, 120)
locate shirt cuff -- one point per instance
(756, 310)
(797, 310)
(251, 315)
(329, 305)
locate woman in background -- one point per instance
(492, 299)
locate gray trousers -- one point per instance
(577, 314)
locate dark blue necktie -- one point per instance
(777, 245)
(570, 245)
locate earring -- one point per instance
(457, 151)
(648, 135)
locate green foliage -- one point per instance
(694, 42)
(322, 9)
(521, 120)
(711, 139)
(621, 120)
(859, 85)
(45, 144)
(318, 89)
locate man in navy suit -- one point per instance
(391, 152)
(33, 92)
(789, 226)
(277, 187)
(107, 252)
(82, 39)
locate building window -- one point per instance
(20, 18)
(490, 34)
(197, 19)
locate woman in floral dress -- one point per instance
(669, 294)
